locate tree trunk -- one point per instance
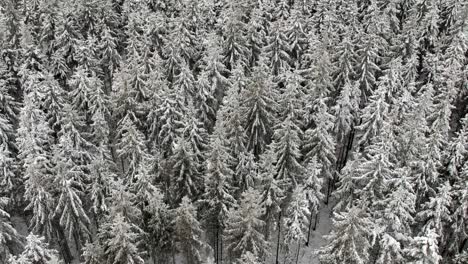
(297, 254)
(279, 236)
(328, 191)
(310, 227)
(316, 220)
(216, 245)
(221, 246)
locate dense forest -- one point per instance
(215, 131)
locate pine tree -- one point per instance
(319, 142)
(286, 145)
(8, 234)
(36, 251)
(169, 120)
(235, 48)
(212, 65)
(296, 218)
(69, 181)
(218, 189)
(233, 114)
(246, 171)
(120, 241)
(186, 169)
(8, 181)
(391, 250)
(436, 212)
(312, 190)
(248, 258)
(424, 249)
(277, 49)
(460, 199)
(131, 146)
(188, 232)
(350, 239)
(273, 191)
(244, 227)
(33, 142)
(373, 116)
(260, 105)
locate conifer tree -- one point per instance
(120, 241)
(244, 227)
(36, 251)
(218, 185)
(187, 171)
(350, 240)
(320, 143)
(286, 147)
(8, 234)
(277, 49)
(296, 218)
(424, 249)
(188, 232)
(260, 105)
(131, 147)
(273, 191)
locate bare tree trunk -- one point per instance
(298, 248)
(310, 227)
(279, 236)
(316, 220)
(328, 191)
(217, 245)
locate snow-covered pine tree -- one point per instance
(120, 241)
(346, 113)
(286, 144)
(219, 191)
(312, 190)
(320, 143)
(8, 181)
(273, 191)
(368, 61)
(233, 113)
(277, 49)
(8, 234)
(53, 99)
(246, 172)
(204, 101)
(33, 143)
(350, 239)
(424, 249)
(36, 251)
(244, 227)
(435, 213)
(187, 171)
(373, 116)
(248, 258)
(235, 49)
(296, 218)
(131, 146)
(460, 202)
(168, 121)
(212, 65)
(260, 101)
(256, 34)
(188, 232)
(69, 183)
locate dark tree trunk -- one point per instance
(279, 236)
